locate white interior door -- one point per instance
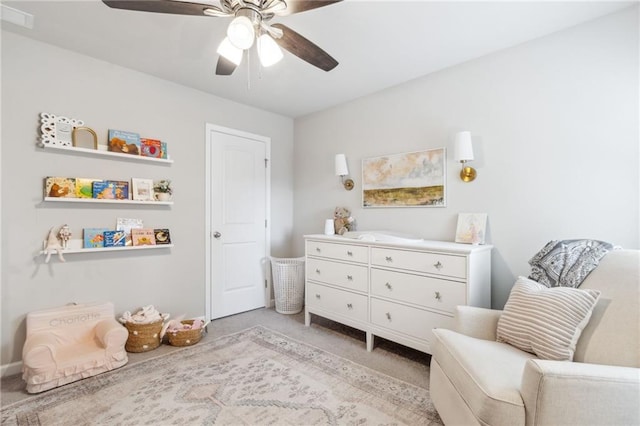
(238, 224)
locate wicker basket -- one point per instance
(288, 284)
(143, 337)
(185, 337)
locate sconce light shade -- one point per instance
(463, 152)
(341, 165)
(342, 170)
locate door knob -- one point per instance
(217, 235)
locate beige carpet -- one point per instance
(253, 377)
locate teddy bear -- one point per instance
(342, 220)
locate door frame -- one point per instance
(266, 267)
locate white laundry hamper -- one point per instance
(288, 284)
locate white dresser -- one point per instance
(398, 291)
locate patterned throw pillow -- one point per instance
(545, 321)
(566, 263)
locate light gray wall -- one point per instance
(555, 127)
(37, 78)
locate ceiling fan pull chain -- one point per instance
(248, 70)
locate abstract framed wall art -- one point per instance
(414, 179)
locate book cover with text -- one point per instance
(104, 189)
(93, 237)
(62, 187)
(114, 238)
(162, 236)
(124, 142)
(143, 237)
(150, 148)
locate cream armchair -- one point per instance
(477, 380)
(71, 343)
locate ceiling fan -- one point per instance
(249, 25)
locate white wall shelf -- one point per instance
(103, 249)
(107, 201)
(100, 153)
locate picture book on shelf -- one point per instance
(163, 148)
(150, 148)
(162, 236)
(124, 142)
(62, 187)
(120, 189)
(114, 238)
(84, 187)
(104, 189)
(93, 237)
(143, 237)
(127, 224)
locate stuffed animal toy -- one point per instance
(52, 244)
(342, 220)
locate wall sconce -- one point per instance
(342, 170)
(463, 152)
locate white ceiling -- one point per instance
(378, 44)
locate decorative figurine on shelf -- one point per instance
(52, 244)
(342, 220)
(65, 235)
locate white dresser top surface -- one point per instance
(381, 239)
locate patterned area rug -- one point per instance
(254, 377)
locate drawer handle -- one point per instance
(349, 305)
(438, 297)
(317, 271)
(350, 277)
(388, 286)
(318, 249)
(349, 253)
(317, 296)
(437, 265)
(388, 258)
(388, 316)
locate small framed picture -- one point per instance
(56, 130)
(142, 189)
(471, 228)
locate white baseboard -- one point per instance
(11, 369)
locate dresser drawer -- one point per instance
(434, 293)
(350, 276)
(405, 319)
(432, 263)
(338, 301)
(348, 252)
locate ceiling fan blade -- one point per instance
(304, 49)
(297, 6)
(225, 66)
(165, 6)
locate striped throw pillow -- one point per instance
(545, 321)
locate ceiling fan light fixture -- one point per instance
(268, 51)
(241, 32)
(230, 52)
